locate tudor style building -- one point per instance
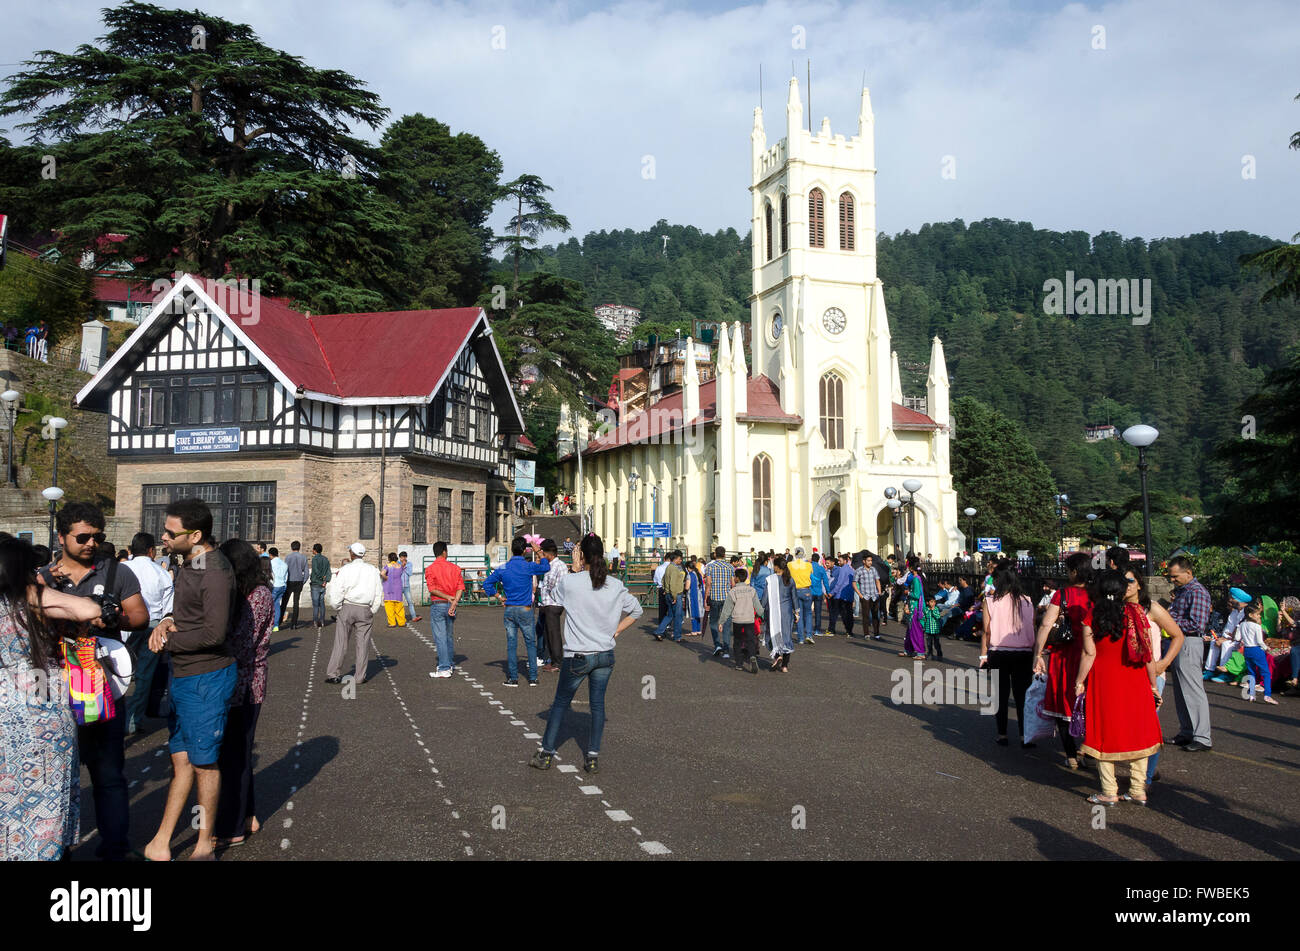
(282, 422)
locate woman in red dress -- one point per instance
(1120, 722)
(1061, 665)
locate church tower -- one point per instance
(817, 310)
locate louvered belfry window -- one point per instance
(847, 223)
(816, 219)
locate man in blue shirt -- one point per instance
(516, 580)
(841, 590)
(821, 580)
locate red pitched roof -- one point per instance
(905, 418)
(403, 353)
(665, 416)
(114, 290)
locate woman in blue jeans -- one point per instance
(597, 608)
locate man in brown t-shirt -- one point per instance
(203, 671)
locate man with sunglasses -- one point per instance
(203, 671)
(84, 570)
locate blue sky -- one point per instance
(1147, 136)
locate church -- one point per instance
(800, 447)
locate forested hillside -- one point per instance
(1208, 345)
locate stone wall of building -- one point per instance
(318, 499)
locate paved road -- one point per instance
(702, 762)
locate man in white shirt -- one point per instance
(1224, 642)
(659, 584)
(551, 613)
(355, 594)
(615, 558)
(156, 589)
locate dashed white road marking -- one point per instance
(589, 790)
(655, 848)
(618, 815)
(302, 724)
(532, 736)
(567, 768)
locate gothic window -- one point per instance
(762, 493)
(785, 231)
(847, 223)
(831, 405)
(816, 219)
(367, 517)
(767, 227)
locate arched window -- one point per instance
(785, 231)
(367, 517)
(848, 224)
(767, 227)
(762, 493)
(816, 219)
(831, 405)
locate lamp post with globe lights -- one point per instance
(11, 398)
(1143, 436)
(52, 495)
(1092, 522)
(1187, 524)
(633, 478)
(970, 523)
(894, 505)
(1062, 501)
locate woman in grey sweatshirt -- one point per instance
(597, 608)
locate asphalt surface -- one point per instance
(702, 762)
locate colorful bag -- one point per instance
(88, 683)
(1076, 718)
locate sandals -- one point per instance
(1072, 762)
(1098, 800)
(1140, 802)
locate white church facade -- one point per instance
(800, 447)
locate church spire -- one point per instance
(896, 379)
(724, 349)
(936, 385)
(740, 381)
(690, 384)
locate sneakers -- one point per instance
(726, 656)
(717, 651)
(589, 764)
(440, 673)
(513, 682)
(531, 683)
(809, 640)
(752, 664)
(274, 629)
(541, 759)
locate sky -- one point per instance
(1152, 118)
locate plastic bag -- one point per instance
(1037, 726)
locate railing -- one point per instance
(69, 357)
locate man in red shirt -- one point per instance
(446, 585)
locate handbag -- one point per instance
(1077, 718)
(1061, 633)
(89, 689)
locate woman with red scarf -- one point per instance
(1120, 721)
(1060, 663)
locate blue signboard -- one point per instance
(525, 474)
(652, 529)
(208, 440)
(990, 544)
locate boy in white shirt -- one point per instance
(1251, 634)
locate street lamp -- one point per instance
(654, 510)
(894, 505)
(1062, 501)
(970, 524)
(52, 494)
(1143, 436)
(912, 486)
(633, 478)
(1092, 520)
(10, 398)
(1187, 524)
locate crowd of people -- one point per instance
(193, 623)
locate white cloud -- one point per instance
(1145, 137)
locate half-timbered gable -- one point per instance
(266, 412)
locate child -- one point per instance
(931, 622)
(1251, 634)
(742, 607)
